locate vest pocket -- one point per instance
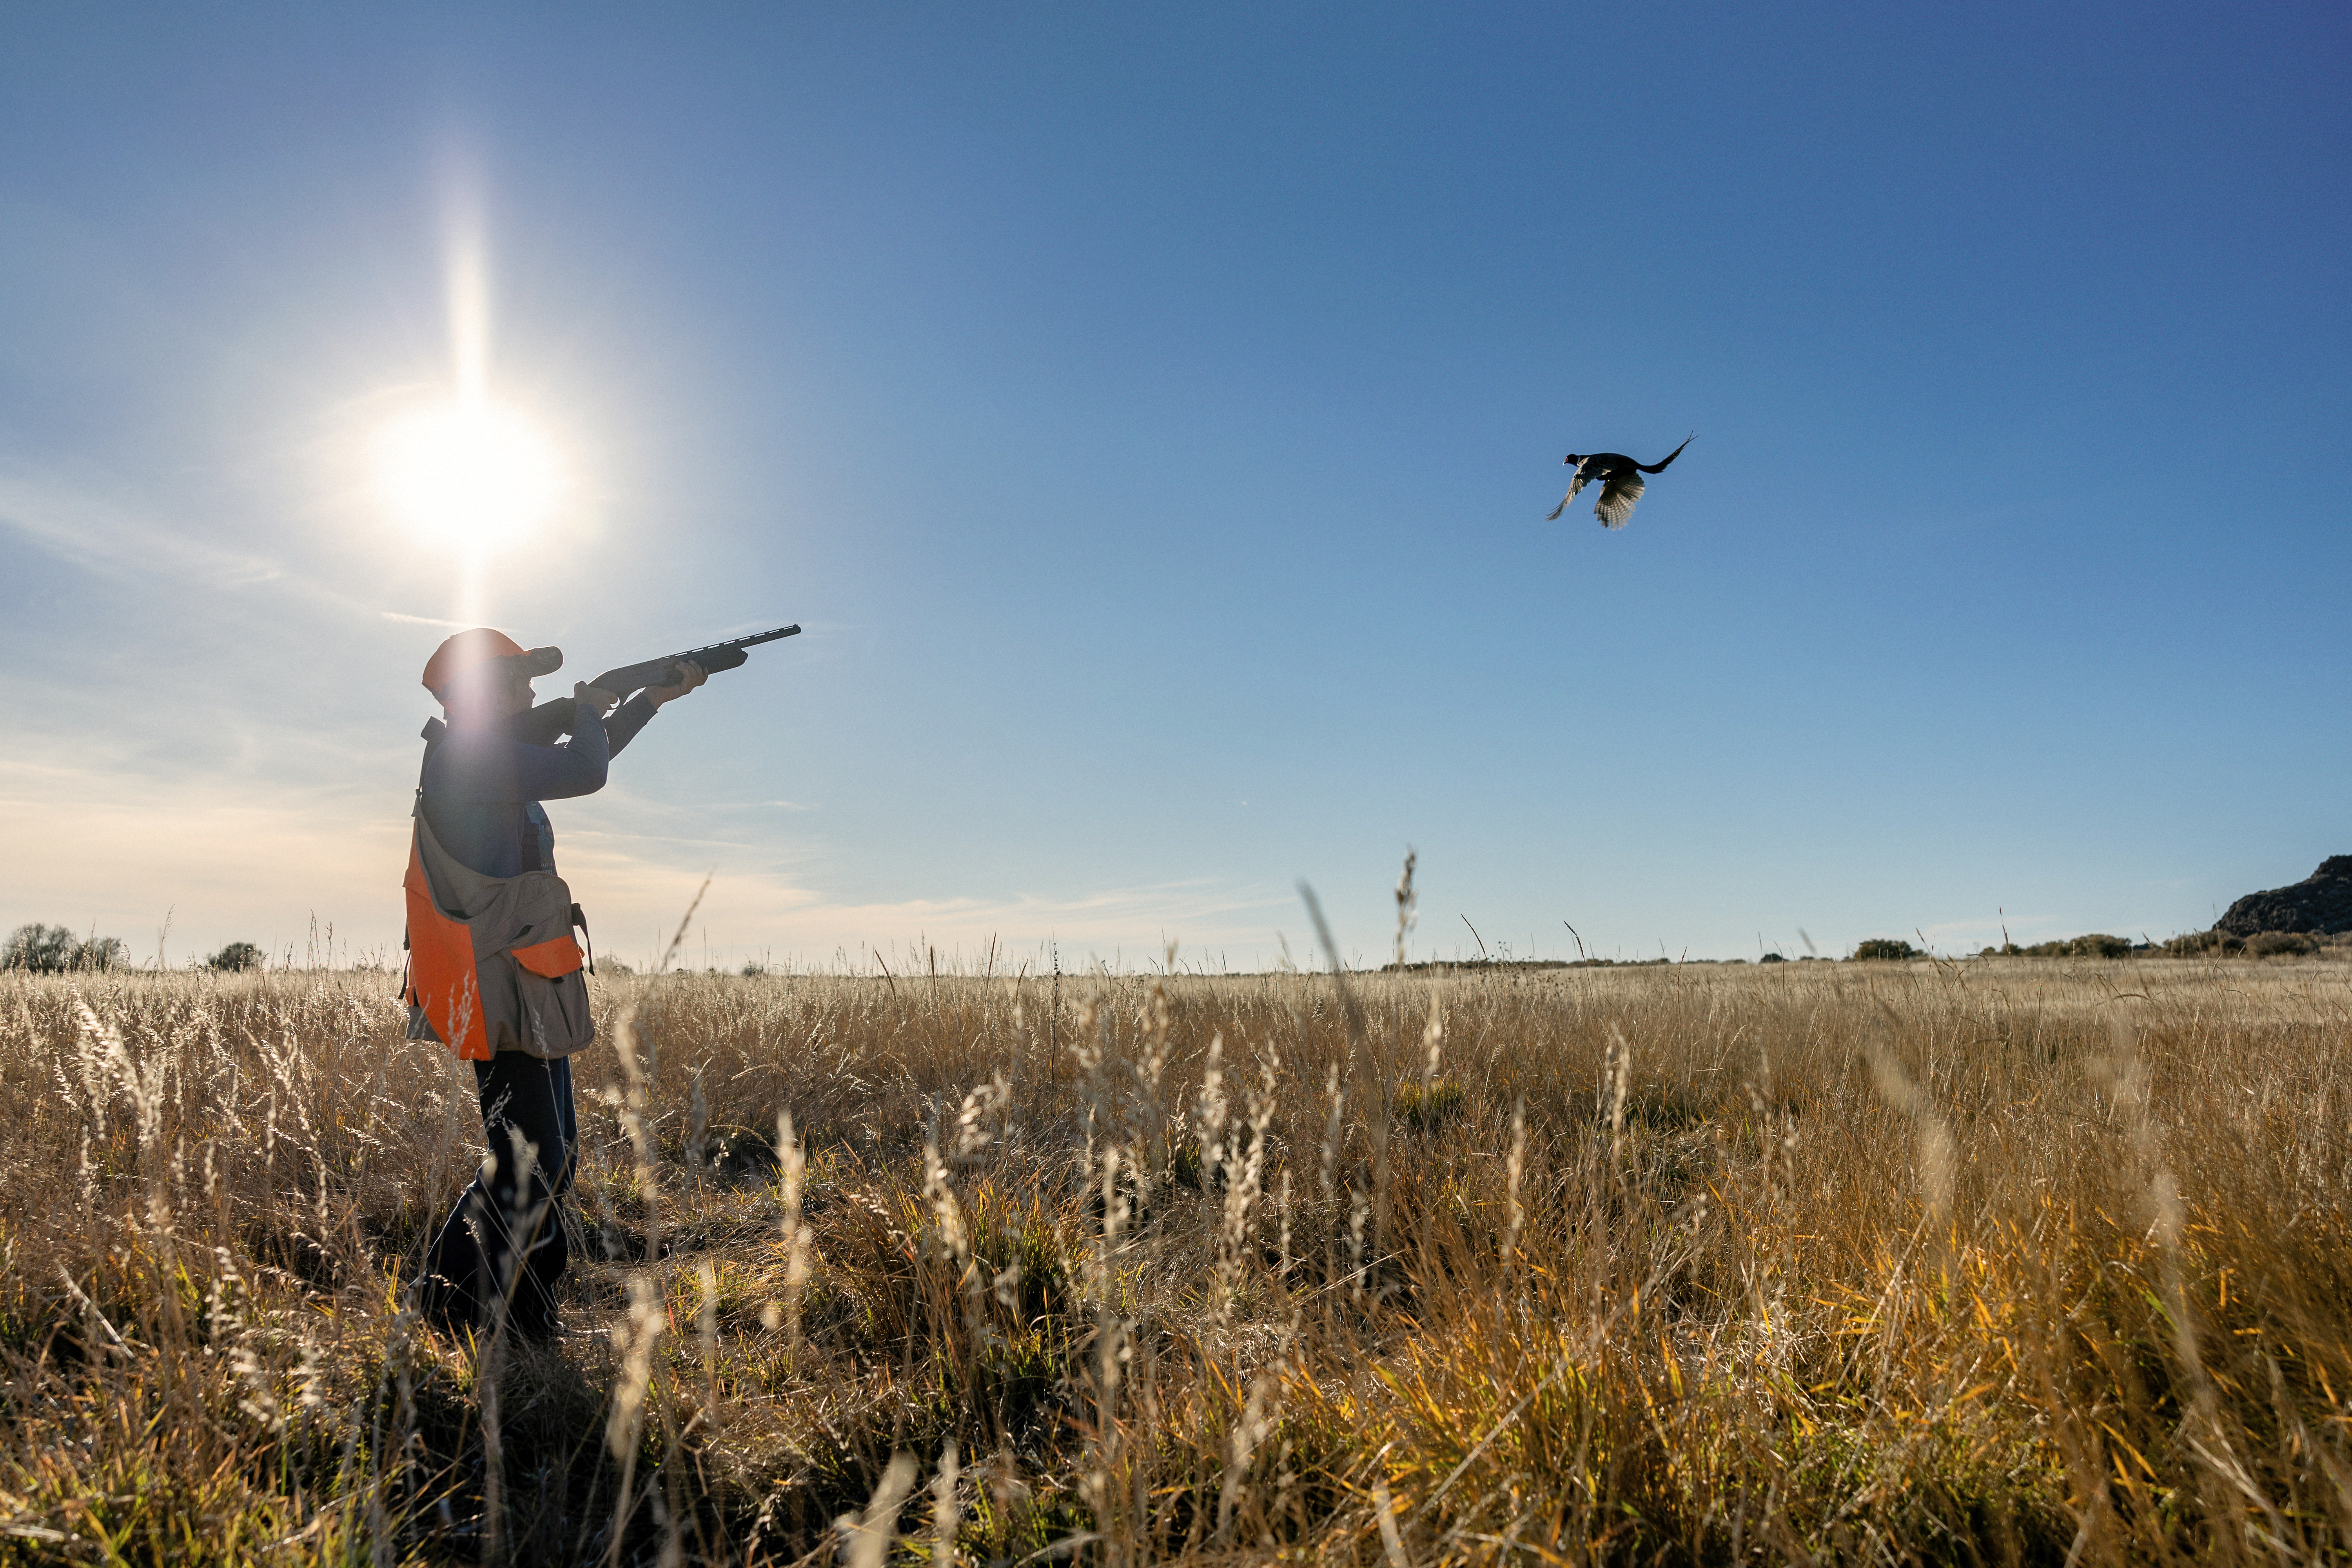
(550, 960)
(554, 1012)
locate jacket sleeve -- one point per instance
(477, 767)
(631, 717)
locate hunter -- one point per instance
(494, 971)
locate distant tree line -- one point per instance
(2202, 943)
(55, 950)
(2097, 944)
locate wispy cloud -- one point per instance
(80, 523)
(93, 524)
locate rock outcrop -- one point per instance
(2320, 902)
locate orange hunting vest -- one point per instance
(492, 965)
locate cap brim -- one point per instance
(541, 661)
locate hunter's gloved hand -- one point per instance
(594, 696)
(695, 676)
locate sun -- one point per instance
(469, 471)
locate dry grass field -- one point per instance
(2016, 1260)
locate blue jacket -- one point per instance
(482, 790)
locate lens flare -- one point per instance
(469, 472)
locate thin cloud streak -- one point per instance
(98, 530)
(78, 525)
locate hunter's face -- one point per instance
(518, 694)
(495, 688)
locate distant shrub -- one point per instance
(1886, 947)
(236, 956)
(1771, 958)
(2281, 943)
(2198, 944)
(2098, 944)
(53, 950)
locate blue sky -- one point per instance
(1151, 414)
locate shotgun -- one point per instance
(540, 726)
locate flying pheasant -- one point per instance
(1620, 479)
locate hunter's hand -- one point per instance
(594, 697)
(695, 676)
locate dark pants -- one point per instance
(505, 1237)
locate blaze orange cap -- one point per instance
(479, 645)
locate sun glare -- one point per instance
(469, 471)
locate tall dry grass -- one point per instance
(2017, 1262)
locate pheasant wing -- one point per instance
(1617, 498)
(1574, 485)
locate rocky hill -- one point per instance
(2320, 902)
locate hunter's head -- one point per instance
(483, 676)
